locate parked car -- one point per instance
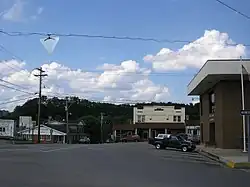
(193, 138)
(131, 138)
(176, 142)
(84, 140)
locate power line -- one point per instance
(13, 84)
(15, 69)
(233, 9)
(3, 103)
(16, 89)
(12, 66)
(9, 52)
(25, 34)
(10, 98)
(18, 33)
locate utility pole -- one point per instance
(67, 106)
(67, 120)
(101, 127)
(40, 75)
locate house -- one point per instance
(7, 128)
(218, 83)
(47, 134)
(148, 121)
(75, 132)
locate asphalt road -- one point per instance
(111, 165)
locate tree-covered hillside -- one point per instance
(55, 108)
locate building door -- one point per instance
(212, 133)
(145, 135)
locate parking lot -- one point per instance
(111, 165)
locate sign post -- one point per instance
(246, 113)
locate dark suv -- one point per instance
(176, 142)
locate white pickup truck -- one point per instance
(162, 136)
(158, 137)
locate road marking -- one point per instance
(9, 150)
(96, 148)
(59, 149)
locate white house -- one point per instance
(7, 128)
(47, 134)
(158, 114)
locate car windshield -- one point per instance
(160, 136)
(181, 138)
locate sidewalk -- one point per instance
(233, 158)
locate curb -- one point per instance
(209, 155)
(225, 162)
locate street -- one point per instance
(111, 165)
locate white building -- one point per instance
(150, 120)
(25, 122)
(158, 114)
(7, 128)
(47, 134)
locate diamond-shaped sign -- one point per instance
(50, 43)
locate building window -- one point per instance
(141, 118)
(3, 129)
(175, 118)
(179, 118)
(139, 107)
(211, 102)
(159, 109)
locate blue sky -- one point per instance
(162, 19)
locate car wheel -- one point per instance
(184, 149)
(136, 141)
(158, 146)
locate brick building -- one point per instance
(218, 83)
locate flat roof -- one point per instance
(214, 71)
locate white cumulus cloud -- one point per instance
(20, 12)
(213, 45)
(15, 12)
(123, 83)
